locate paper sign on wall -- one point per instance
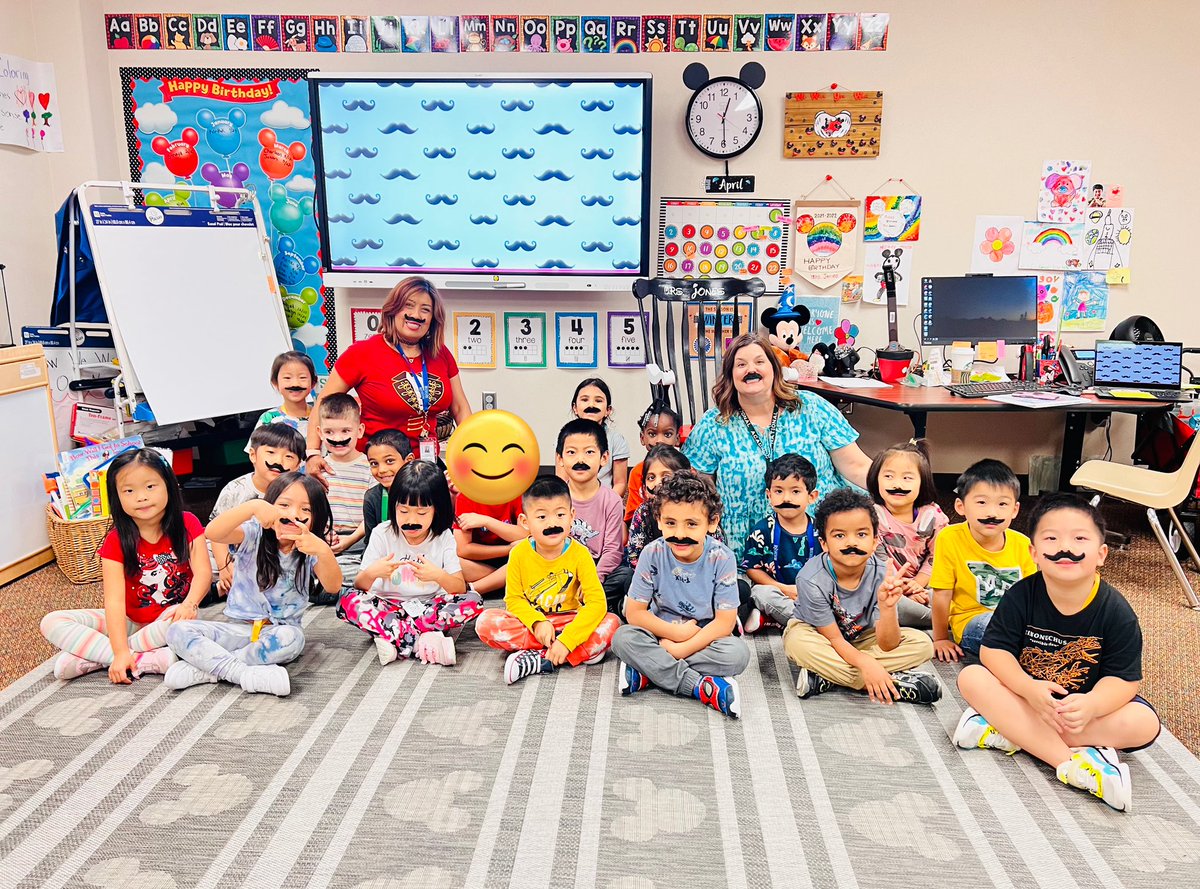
(704, 343)
(29, 105)
(994, 247)
(895, 217)
(575, 338)
(843, 124)
(1049, 245)
(1049, 306)
(1108, 238)
(824, 313)
(874, 290)
(1063, 193)
(1085, 301)
(827, 234)
(475, 339)
(525, 339)
(626, 343)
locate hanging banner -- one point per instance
(241, 128)
(826, 243)
(29, 105)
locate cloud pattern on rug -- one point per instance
(890, 822)
(22, 771)
(121, 873)
(469, 724)
(870, 738)
(265, 716)
(78, 716)
(656, 729)
(430, 802)
(669, 811)
(208, 793)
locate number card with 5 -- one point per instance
(626, 340)
(525, 339)
(575, 338)
(475, 339)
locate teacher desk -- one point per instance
(918, 402)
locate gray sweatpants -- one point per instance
(774, 604)
(640, 649)
(912, 613)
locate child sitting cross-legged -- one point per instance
(339, 420)
(782, 543)
(1061, 661)
(554, 611)
(846, 630)
(682, 603)
(387, 451)
(410, 590)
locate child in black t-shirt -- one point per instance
(1061, 661)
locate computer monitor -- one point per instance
(979, 309)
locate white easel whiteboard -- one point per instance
(193, 304)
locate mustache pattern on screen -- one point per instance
(899, 492)
(991, 520)
(581, 466)
(681, 541)
(552, 530)
(852, 551)
(411, 526)
(1066, 554)
(338, 442)
(751, 377)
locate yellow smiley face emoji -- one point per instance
(493, 457)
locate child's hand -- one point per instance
(318, 468)
(384, 567)
(789, 590)
(543, 631)
(335, 542)
(185, 611)
(268, 515)
(122, 666)
(1075, 712)
(225, 579)
(1041, 697)
(310, 544)
(557, 653)
(916, 592)
(425, 570)
(891, 591)
(878, 684)
(946, 651)
(471, 521)
(450, 484)
(673, 648)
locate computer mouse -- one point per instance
(1071, 390)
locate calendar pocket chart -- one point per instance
(525, 339)
(701, 238)
(575, 338)
(475, 339)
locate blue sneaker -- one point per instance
(720, 693)
(632, 681)
(1089, 769)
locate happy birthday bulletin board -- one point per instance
(243, 128)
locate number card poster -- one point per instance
(626, 340)
(525, 339)
(701, 238)
(364, 323)
(575, 338)
(475, 339)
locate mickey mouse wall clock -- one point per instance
(724, 114)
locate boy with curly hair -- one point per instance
(682, 603)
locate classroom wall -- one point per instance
(976, 97)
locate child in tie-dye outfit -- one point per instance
(411, 588)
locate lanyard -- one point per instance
(767, 448)
(383, 508)
(810, 539)
(423, 387)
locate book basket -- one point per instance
(75, 545)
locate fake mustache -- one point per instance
(1066, 554)
(682, 541)
(853, 551)
(276, 467)
(581, 466)
(298, 522)
(991, 520)
(411, 526)
(899, 492)
(295, 388)
(552, 530)
(338, 442)
(787, 504)
(591, 410)
(413, 320)
(752, 377)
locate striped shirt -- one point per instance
(348, 483)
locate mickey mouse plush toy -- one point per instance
(783, 325)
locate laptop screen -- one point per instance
(1154, 365)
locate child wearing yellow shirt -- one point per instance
(976, 561)
(555, 611)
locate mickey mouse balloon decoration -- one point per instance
(724, 115)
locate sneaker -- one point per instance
(69, 666)
(266, 679)
(157, 662)
(181, 675)
(436, 648)
(754, 622)
(1088, 769)
(975, 732)
(386, 651)
(521, 664)
(809, 683)
(632, 680)
(595, 659)
(916, 687)
(720, 693)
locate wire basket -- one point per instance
(76, 545)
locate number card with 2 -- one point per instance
(475, 339)
(576, 339)
(626, 340)
(364, 323)
(525, 339)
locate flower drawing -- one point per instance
(997, 244)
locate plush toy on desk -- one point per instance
(784, 324)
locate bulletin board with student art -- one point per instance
(242, 128)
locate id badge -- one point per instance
(429, 450)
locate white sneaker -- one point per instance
(1089, 770)
(973, 731)
(269, 679)
(436, 648)
(386, 650)
(70, 666)
(754, 622)
(157, 661)
(181, 675)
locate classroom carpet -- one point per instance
(417, 777)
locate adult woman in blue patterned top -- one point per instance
(757, 418)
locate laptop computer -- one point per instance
(1139, 370)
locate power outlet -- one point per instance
(489, 401)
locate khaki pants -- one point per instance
(806, 647)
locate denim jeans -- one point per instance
(972, 636)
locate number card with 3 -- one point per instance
(475, 339)
(575, 337)
(525, 339)
(626, 340)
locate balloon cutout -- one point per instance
(290, 266)
(493, 457)
(175, 199)
(223, 134)
(845, 333)
(277, 159)
(287, 215)
(235, 178)
(298, 307)
(179, 156)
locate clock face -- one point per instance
(724, 117)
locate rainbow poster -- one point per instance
(892, 217)
(1051, 245)
(827, 235)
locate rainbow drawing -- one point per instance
(825, 239)
(1053, 236)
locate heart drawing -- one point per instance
(832, 126)
(44, 100)
(19, 95)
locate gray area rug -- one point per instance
(415, 777)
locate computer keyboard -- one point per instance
(1006, 387)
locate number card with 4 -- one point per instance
(576, 338)
(525, 339)
(475, 339)
(626, 340)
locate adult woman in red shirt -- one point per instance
(404, 375)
